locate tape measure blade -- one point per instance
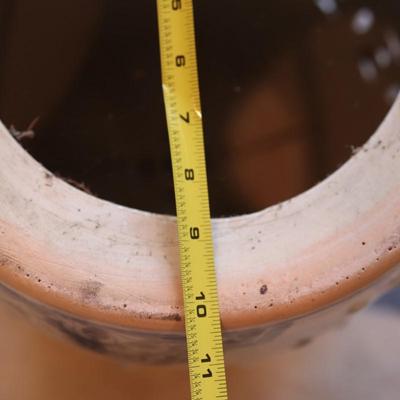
(185, 130)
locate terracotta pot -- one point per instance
(107, 277)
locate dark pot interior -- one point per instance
(289, 90)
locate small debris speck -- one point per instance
(263, 289)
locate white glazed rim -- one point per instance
(109, 263)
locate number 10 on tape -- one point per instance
(185, 130)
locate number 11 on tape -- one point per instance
(185, 131)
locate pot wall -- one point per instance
(165, 348)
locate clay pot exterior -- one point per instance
(107, 277)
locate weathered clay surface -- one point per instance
(153, 347)
(90, 260)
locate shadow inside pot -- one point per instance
(289, 90)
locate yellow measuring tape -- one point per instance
(182, 105)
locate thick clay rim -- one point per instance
(109, 263)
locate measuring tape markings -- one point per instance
(184, 120)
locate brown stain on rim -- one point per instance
(89, 290)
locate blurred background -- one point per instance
(300, 84)
(289, 89)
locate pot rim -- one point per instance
(116, 265)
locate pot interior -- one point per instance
(289, 90)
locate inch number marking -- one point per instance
(176, 5)
(201, 309)
(194, 233)
(186, 118)
(189, 174)
(180, 61)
